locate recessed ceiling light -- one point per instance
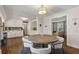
(24, 18)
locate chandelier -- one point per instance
(42, 10)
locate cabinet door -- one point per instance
(1, 33)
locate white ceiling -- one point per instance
(31, 11)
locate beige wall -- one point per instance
(72, 31)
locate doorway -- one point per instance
(59, 25)
(25, 30)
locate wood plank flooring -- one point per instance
(71, 50)
(15, 45)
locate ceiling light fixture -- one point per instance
(24, 18)
(42, 10)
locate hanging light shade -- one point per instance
(42, 10)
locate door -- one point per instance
(60, 28)
(25, 31)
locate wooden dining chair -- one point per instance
(46, 50)
(26, 42)
(58, 45)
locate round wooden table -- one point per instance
(42, 40)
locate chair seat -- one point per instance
(58, 46)
(26, 42)
(59, 43)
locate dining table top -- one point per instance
(44, 39)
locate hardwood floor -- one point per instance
(13, 46)
(70, 50)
